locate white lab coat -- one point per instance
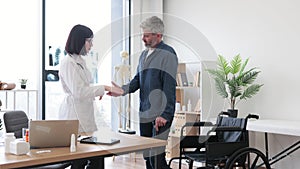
(79, 98)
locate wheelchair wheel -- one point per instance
(254, 159)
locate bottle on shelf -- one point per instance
(183, 108)
(177, 107)
(189, 106)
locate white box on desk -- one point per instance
(19, 147)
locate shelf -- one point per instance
(187, 87)
(187, 112)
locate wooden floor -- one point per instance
(131, 161)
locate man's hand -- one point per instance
(115, 90)
(159, 122)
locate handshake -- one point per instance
(114, 90)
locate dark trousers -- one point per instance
(155, 157)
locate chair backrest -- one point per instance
(234, 136)
(14, 121)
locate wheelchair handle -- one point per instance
(252, 116)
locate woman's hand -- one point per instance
(114, 90)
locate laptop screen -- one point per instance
(52, 133)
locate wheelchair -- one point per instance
(224, 145)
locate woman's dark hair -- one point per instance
(76, 40)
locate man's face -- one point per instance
(151, 39)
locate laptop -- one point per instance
(52, 133)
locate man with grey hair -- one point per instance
(156, 79)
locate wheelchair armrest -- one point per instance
(195, 124)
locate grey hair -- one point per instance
(153, 24)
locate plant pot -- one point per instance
(232, 112)
(23, 86)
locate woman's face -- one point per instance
(88, 44)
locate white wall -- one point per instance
(268, 32)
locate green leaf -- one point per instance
(217, 74)
(220, 88)
(250, 91)
(223, 65)
(243, 66)
(249, 77)
(234, 88)
(236, 64)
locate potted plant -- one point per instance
(233, 82)
(23, 83)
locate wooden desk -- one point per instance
(128, 143)
(284, 127)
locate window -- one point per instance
(60, 17)
(20, 51)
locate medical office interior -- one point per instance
(33, 35)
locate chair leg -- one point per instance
(179, 167)
(191, 163)
(134, 156)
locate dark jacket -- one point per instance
(156, 79)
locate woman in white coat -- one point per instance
(76, 81)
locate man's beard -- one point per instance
(147, 45)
